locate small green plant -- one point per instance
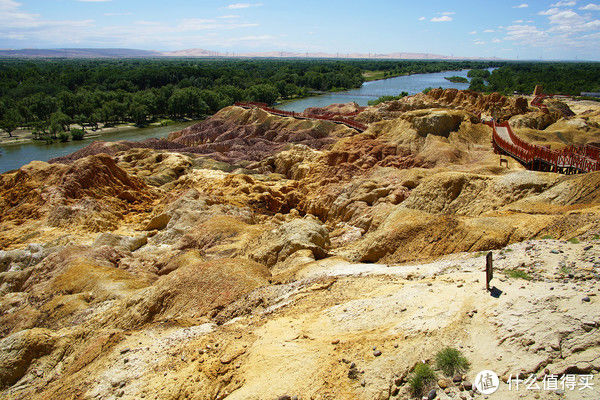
(565, 270)
(518, 274)
(451, 361)
(422, 377)
(383, 99)
(77, 134)
(596, 237)
(573, 240)
(63, 137)
(546, 237)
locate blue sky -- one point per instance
(521, 29)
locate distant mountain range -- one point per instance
(202, 53)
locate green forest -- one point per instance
(556, 78)
(49, 95)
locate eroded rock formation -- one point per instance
(253, 256)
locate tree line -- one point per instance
(568, 78)
(50, 95)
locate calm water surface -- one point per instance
(412, 84)
(16, 155)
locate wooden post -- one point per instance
(489, 270)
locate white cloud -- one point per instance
(422, 19)
(117, 14)
(448, 13)
(8, 5)
(473, 33)
(199, 24)
(550, 11)
(523, 5)
(525, 34)
(19, 25)
(591, 7)
(254, 38)
(445, 18)
(569, 22)
(238, 6)
(479, 42)
(489, 31)
(496, 40)
(230, 16)
(564, 4)
(518, 21)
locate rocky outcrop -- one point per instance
(330, 261)
(278, 244)
(533, 120)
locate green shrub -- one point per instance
(383, 99)
(574, 240)
(451, 361)
(63, 137)
(422, 377)
(77, 134)
(518, 274)
(546, 237)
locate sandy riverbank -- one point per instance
(23, 136)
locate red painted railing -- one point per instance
(571, 159)
(337, 118)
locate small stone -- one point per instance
(586, 299)
(467, 385)
(586, 248)
(432, 394)
(363, 383)
(377, 353)
(398, 381)
(457, 379)
(125, 350)
(395, 391)
(443, 383)
(125, 360)
(352, 365)
(284, 397)
(554, 251)
(120, 393)
(336, 341)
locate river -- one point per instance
(15, 156)
(412, 84)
